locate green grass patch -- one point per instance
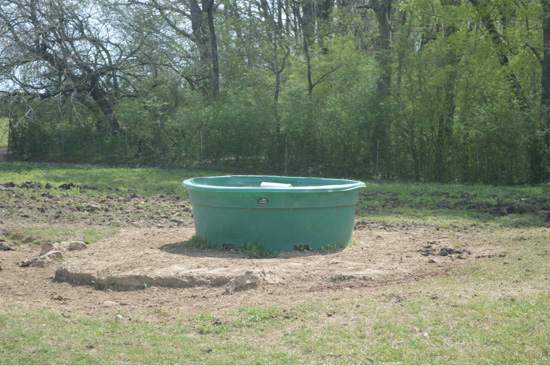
(4, 125)
(58, 233)
(198, 243)
(107, 180)
(330, 248)
(254, 250)
(415, 330)
(251, 249)
(452, 205)
(444, 205)
(492, 310)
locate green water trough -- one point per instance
(278, 213)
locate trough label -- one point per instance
(263, 201)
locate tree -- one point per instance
(381, 134)
(541, 151)
(484, 9)
(312, 18)
(61, 49)
(272, 12)
(445, 121)
(383, 11)
(545, 87)
(193, 20)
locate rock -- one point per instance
(269, 277)
(41, 263)
(118, 318)
(109, 303)
(48, 186)
(75, 245)
(46, 247)
(25, 264)
(51, 255)
(247, 280)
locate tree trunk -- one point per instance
(382, 9)
(107, 108)
(307, 23)
(382, 125)
(545, 90)
(445, 123)
(275, 41)
(308, 64)
(215, 69)
(500, 47)
(204, 34)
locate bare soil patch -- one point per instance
(139, 258)
(147, 268)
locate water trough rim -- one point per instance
(346, 185)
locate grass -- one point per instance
(452, 205)
(58, 233)
(250, 249)
(478, 314)
(107, 180)
(198, 243)
(253, 250)
(492, 310)
(3, 132)
(445, 205)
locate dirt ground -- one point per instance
(147, 271)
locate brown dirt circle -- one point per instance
(140, 272)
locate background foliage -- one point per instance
(452, 92)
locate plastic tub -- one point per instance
(278, 213)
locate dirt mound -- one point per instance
(148, 267)
(139, 258)
(164, 273)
